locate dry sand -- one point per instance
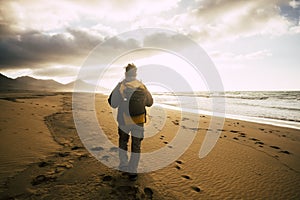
(42, 157)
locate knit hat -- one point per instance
(130, 67)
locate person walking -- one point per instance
(131, 97)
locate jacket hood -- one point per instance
(133, 84)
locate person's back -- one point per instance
(130, 97)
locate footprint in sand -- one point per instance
(242, 135)
(234, 131)
(41, 179)
(285, 152)
(127, 192)
(184, 119)
(186, 177)
(179, 161)
(166, 143)
(259, 142)
(63, 154)
(275, 147)
(178, 167)
(75, 147)
(43, 164)
(197, 189)
(235, 138)
(105, 158)
(114, 149)
(107, 178)
(148, 193)
(97, 149)
(176, 122)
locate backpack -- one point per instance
(134, 101)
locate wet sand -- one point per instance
(42, 157)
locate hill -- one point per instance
(32, 84)
(29, 83)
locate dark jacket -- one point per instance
(115, 98)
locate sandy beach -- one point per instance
(42, 157)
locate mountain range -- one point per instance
(32, 84)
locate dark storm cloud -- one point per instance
(33, 48)
(30, 48)
(291, 12)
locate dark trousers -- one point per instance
(137, 135)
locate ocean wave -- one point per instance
(280, 118)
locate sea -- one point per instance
(280, 108)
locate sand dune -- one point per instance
(42, 157)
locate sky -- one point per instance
(253, 44)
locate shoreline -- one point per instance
(246, 153)
(260, 120)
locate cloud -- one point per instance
(233, 57)
(33, 49)
(61, 71)
(163, 40)
(294, 4)
(32, 14)
(42, 35)
(228, 20)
